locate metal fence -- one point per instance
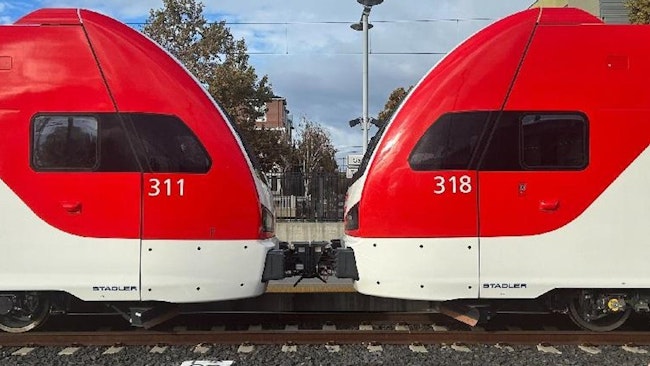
(312, 197)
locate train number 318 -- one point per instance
(166, 187)
(462, 184)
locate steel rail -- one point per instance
(145, 337)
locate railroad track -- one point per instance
(140, 338)
(320, 328)
(324, 338)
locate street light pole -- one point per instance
(364, 122)
(364, 26)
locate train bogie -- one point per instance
(516, 168)
(121, 179)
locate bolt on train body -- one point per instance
(121, 180)
(517, 168)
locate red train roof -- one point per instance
(52, 16)
(565, 16)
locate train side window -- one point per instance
(64, 143)
(449, 143)
(554, 141)
(170, 146)
(115, 152)
(502, 152)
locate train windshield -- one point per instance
(372, 145)
(449, 143)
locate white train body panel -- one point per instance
(193, 271)
(416, 268)
(587, 252)
(41, 257)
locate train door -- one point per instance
(72, 222)
(90, 185)
(541, 170)
(528, 186)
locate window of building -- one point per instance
(261, 111)
(64, 143)
(554, 141)
(449, 143)
(169, 145)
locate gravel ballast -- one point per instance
(215, 355)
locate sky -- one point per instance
(311, 55)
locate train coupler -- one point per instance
(309, 260)
(316, 259)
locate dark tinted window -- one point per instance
(64, 143)
(554, 141)
(169, 145)
(537, 141)
(116, 154)
(450, 142)
(502, 153)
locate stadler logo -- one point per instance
(115, 288)
(504, 285)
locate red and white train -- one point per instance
(121, 179)
(517, 168)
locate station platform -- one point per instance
(310, 285)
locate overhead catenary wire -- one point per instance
(286, 51)
(344, 53)
(325, 22)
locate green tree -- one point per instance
(639, 11)
(220, 62)
(394, 100)
(273, 150)
(314, 151)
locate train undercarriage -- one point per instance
(599, 310)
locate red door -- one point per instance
(84, 201)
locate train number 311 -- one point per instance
(165, 187)
(453, 184)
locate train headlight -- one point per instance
(268, 223)
(352, 218)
